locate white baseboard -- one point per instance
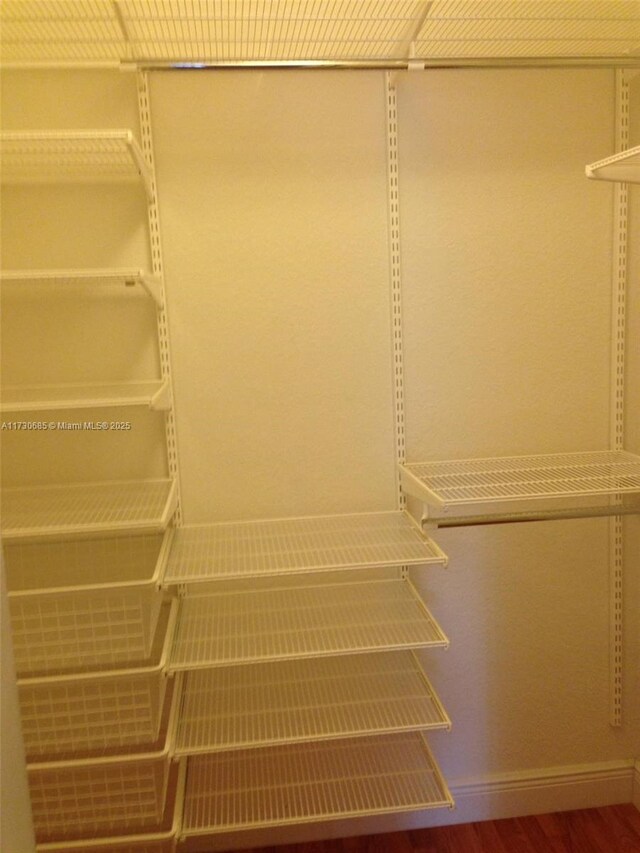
(636, 785)
(538, 791)
(506, 795)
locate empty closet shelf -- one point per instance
(73, 156)
(276, 786)
(77, 603)
(158, 838)
(624, 166)
(144, 506)
(95, 795)
(298, 545)
(246, 627)
(295, 701)
(34, 398)
(89, 278)
(98, 710)
(522, 478)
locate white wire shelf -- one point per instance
(125, 277)
(96, 710)
(619, 167)
(143, 506)
(522, 478)
(84, 602)
(276, 786)
(80, 797)
(92, 156)
(280, 624)
(161, 838)
(40, 398)
(87, 32)
(295, 701)
(298, 545)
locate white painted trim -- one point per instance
(492, 798)
(538, 791)
(636, 785)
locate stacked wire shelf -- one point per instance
(92, 626)
(296, 643)
(33, 512)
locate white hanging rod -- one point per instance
(542, 515)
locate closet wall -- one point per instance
(274, 218)
(273, 205)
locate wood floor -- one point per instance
(614, 829)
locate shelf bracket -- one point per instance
(161, 400)
(153, 285)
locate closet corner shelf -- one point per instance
(139, 506)
(624, 166)
(40, 398)
(500, 480)
(260, 705)
(304, 783)
(72, 156)
(231, 628)
(152, 284)
(298, 546)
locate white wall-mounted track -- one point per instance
(144, 109)
(617, 404)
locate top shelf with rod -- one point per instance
(521, 483)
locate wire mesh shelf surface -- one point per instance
(87, 508)
(72, 155)
(98, 710)
(624, 166)
(512, 478)
(298, 545)
(295, 701)
(83, 602)
(246, 627)
(45, 31)
(276, 786)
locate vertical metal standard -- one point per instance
(157, 269)
(618, 325)
(395, 278)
